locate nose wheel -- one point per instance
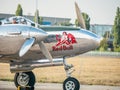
(24, 79)
(70, 83)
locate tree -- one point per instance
(37, 18)
(86, 19)
(76, 23)
(116, 31)
(103, 45)
(107, 35)
(19, 11)
(40, 20)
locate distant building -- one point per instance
(46, 20)
(101, 29)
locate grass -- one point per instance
(88, 70)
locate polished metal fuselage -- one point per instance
(12, 38)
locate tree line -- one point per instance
(39, 20)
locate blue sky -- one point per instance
(100, 11)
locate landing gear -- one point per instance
(24, 79)
(70, 83)
(27, 79)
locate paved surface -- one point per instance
(4, 85)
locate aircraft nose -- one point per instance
(92, 36)
(98, 40)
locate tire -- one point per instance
(24, 79)
(71, 84)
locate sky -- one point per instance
(99, 11)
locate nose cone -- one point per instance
(91, 36)
(98, 40)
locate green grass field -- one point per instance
(88, 70)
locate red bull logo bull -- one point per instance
(64, 42)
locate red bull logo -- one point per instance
(64, 42)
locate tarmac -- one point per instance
(5, 85)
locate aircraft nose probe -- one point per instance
(36, 36)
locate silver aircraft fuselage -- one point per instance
(66, 42)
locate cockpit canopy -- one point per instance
(23, 20)
(17, 20)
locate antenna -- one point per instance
(36, 23)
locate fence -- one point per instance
(106, 54)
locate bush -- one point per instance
(103, 45)
(117, 49)
(102, 49)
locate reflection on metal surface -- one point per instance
(26, 46)
(28, 66)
